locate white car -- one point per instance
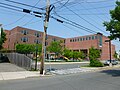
(114, 62)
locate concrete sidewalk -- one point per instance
(18, 75)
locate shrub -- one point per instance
(95, 63)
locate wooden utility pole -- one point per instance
(0, 29)
(44, 37)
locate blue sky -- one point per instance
(89, 13)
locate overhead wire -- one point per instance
(19, 11)
(11, 5)
(24, 4)
(75, 24)
(33, 17)
(83, 18)
(98, 1)
(91, 8)
(86, 14)
(64, 4)
(10, 8)
(93, 19)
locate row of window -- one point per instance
(37, 34)
(83, 38)
(25, 32)
(25, 39)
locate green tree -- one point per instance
(3, 38)
(94, 54)
(114, 24)
(24, 48)
(73, 54)
(67, 53)
(27, 48)
(82, 55)
(55, 47)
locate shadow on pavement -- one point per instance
(114, 73)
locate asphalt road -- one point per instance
(8, 67)
(104, 80)
(62, 66)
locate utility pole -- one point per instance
(44, 37)
(109, 51)
(0, 30)
(36, 50)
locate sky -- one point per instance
(76, 14)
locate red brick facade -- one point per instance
(25, 35)
(83, 43)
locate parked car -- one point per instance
(114, 62)
(3, 58)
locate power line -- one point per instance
(11, 5)
(84, 19)
(99, 1)
(92, 8)
(85, 14)
(24, 4)
(10, 8)
(31, 23)
(15, 21)
(75, 24)
(75, 29)
(94, 20)
(64, 4)
(33, 17)
(20, 11)
(81, 17)
(14, 10)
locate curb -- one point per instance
(62, 63)
(20, 75)
(103, 68)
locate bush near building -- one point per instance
(94, 54)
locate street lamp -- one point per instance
(109, 50)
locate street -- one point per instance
(103, 80)
(64, 65)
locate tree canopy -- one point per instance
(3, 38)
(27, 48)
(55, 47)
(94, 54)
(114, 24)
(73, 54)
